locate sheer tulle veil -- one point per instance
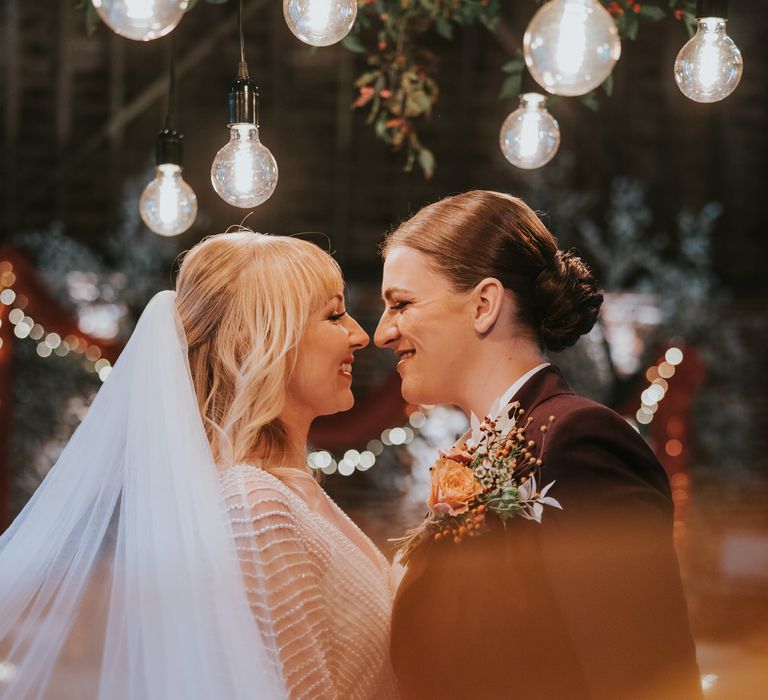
(119, 579)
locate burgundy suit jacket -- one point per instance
(587, 605)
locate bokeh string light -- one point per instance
(354, 460)
(48, 343)
(657, 376)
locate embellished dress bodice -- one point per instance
(319, 590)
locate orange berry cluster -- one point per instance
(471, 525)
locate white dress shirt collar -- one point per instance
(502, 401)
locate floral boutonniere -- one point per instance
(495, 477)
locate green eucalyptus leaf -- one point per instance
(367, 78)
(427, 162)
(511, 87)
(352, 42)
(608, 85)
(444, 28)
(92, 19)
(513, 66)
(590, 101)
(381, 128)
(632, 26)
(652, 13)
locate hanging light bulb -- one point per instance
(320, 22)
(244, 172)
(530, 136)
(168, 206)
(708, 68)
(141, 20)
(571, 46)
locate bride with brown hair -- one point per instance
(180, 547)
(578, 596)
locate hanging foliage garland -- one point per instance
(400, 89)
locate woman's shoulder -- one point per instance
(574, 412)
(251, 486)
(587, 440)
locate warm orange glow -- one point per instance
(666, 370)
(652, 373)
(675, 427)
(674, 448)
(7, 278)
(680, 495)
(679, 480)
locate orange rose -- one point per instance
(453, 487)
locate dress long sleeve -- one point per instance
(282, 578)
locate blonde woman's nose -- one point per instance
(358, 338)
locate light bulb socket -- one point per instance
(168, 147)
(243, 99)
(528, 84)
(712, 8)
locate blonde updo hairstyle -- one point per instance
(244, 299)
(479, 234)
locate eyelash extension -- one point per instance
(336, 317)
(399, 305)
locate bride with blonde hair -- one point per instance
(180, 547)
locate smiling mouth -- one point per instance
(345, 369)
(405, 354)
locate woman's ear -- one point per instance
(487, 298)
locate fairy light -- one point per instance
(48, 343)
(361, 461)
(652, 395)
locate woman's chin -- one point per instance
(414, 392)
(345, 402)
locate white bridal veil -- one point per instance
(119, 579)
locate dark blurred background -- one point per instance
(662, 195)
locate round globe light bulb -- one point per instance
(571, 46)
(168, 206)
(709, 67)
(141, 20)
(320, 22)
(244, 172)
(530, 136)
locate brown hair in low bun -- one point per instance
(480, 234)
(568, 300)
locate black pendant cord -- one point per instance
(170, 115)
(168, 147)
(242, 69)
(244, 93)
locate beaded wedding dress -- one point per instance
(138, 571)
(318, 588)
